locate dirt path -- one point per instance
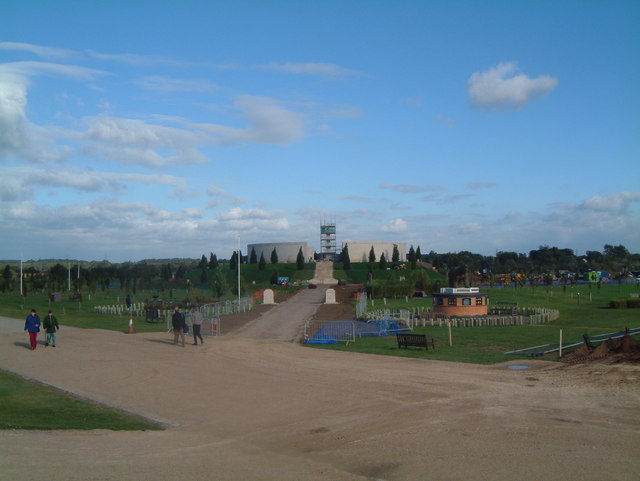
(242, 408)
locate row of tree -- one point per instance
(544, 260)
(144, 274)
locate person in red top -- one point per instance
(32, 325)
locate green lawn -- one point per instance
(28, 405)
(582, 310)
(81, 314)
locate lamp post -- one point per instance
(238, 271)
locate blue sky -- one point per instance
(132, 130)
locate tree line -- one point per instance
(132, 276)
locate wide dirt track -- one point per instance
(253, 405)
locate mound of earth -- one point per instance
(624, 349)
(344, 308)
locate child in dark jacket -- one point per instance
(50, 324)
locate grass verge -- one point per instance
(29, 405)
(583, 309)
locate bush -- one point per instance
(624, 303)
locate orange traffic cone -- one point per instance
(131, 331)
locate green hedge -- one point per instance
(631, 303)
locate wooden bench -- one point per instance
(415, 340)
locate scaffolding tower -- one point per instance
(328, 243)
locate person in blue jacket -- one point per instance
(32, 325)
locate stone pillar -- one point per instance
(267, 297)
(330, 296)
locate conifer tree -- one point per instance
(253, 258)
(383, 262)
(274, 256)
(372, 255)
(262, 264)
(346, 260)
(300, 260)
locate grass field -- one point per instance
(583, 309)
(28, 405)
(81, 314)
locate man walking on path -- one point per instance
(32, 325)
(177, 321)
(50, 324)
(196, 321)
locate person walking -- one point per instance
(32, 325)
(196, 321)
(178, 322)
(50, 324)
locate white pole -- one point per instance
(450, 340)
(20, 275)
(560, 342)
(69, 278)
(238, 271)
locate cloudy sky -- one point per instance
(139, 129)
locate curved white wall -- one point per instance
(287, 251)
(359, 251)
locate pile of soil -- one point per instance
(344, 308)
(624, 349)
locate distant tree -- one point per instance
(203, 262)
(412, 257)
(180, 273)
(395, 256)
(300, 260)
(204, 279)
(274, 256)
(165, 272)
(58, 274)
(274, 278)
(233, 262)
(253, 259)
(7, 276)
(383, 262)
(262, 264)
(213, 261)
(372, 255)
(219, 284)
(346, 260)
(418, 254)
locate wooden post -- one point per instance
(450, 340)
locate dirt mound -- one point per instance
(624, 349)
(345, 304)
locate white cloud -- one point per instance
(269, 123)
(448, 122)
(327, 70)
(237, 219)
(33, 68)
(135, 59)
(410, 189)
(613, 203)
(51, 53)
(396, 225)
(163, 84)
(481, 185)
(137, 142)
(503, 88)
(218, 192)
(13, 121)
